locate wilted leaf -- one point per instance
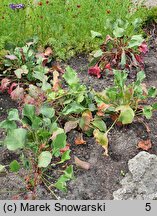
(17, 94)
(85, 120)
(4, 84)
(102, 108)
(95, 71)
(66, 148)
(145, 144)
(48, 52)
(82, 164)
(2, 168)
(44, 159)
(101, 138)
(143, 47)
(55, 81)
(79, 139)
(70, 125)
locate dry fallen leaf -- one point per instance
(86, 120)
(79, 140)
(82, 164)
(70, 125)
(48, 52)
(145, 144)
(55, 80)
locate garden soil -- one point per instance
(105, 173)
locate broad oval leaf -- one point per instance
(44, 159)
(102, 139)
(16, 139)
(126, 114)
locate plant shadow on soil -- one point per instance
(105, 173)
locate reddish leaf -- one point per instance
(102, 108)
(29, 100)
(4, 84)
(79, 140)
(82, 164)
(95, 71)
(66, 148)
(11, 57)
(139, 58)
(13, 85)
(17, 94)
(145, 144)
(108, 66)
(143, 48)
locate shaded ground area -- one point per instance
(106, 172)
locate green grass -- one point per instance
(64, 24)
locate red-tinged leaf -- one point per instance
(143, 48)
(82, 164)
(57, 68)
(11, 57)
(44, 61)
(108, 66)
(13, 85)
(94, 71)
(70, 125)
(102, 108)
(79, 140)
(4, 84)
(145, 144)
(17, 94)
(139, 58)
(66, 148)
(48, 52)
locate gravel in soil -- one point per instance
(105, 173)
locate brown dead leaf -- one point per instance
(66, 148)
(48, 52)
(144, 88)
(145, 144)
(55, 81)
(102, 108)
(86, 120)
(82, 164)
(57, 68)
(79, 139)
(70, 125)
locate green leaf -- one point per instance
(58, 143)
(20, 71)
(16, 139)
(96, 34)
(13, 115)
(147, 112)
(44, 159)
(98, 53)
(123, 59)
(70, 76)
(47, 111)
(29, 111)
(102, 139)
(140, 77)
(69, 172)
(6, 124)
(118, 32)
(45, 85)
(65, 156)
(73, 108)
(14, 166)
(126, 115)
(2, 168)
(100, 124)
(136, 40)
(152, 92)
(154, 106)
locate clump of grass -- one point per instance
(65, 25)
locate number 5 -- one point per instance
(148, 207)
